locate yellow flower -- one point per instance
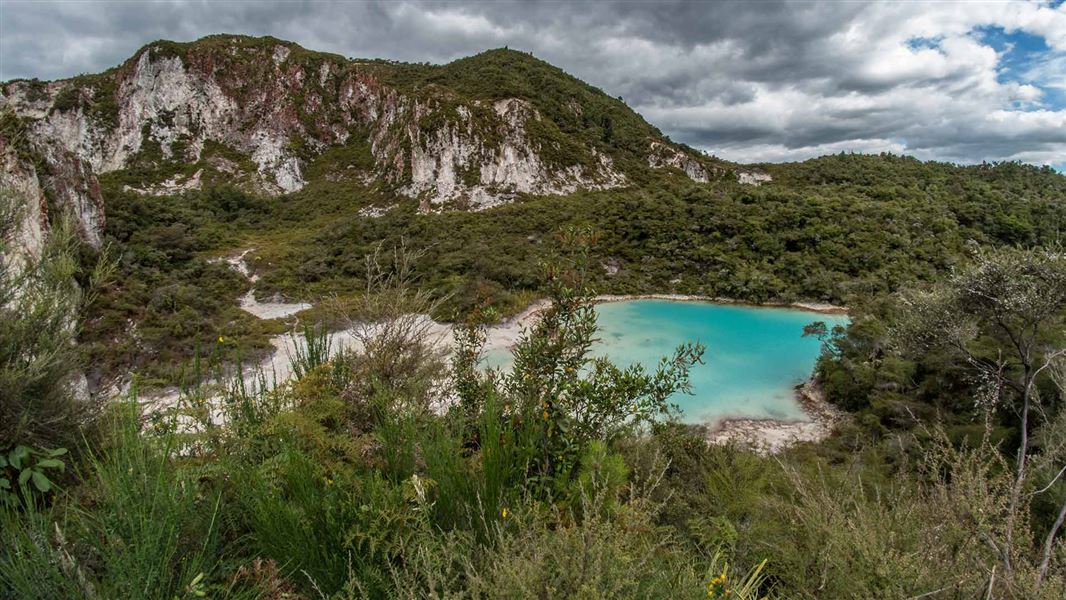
(719, 584)
(504, 513)
(329, 481)
(221, 340)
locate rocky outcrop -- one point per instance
(280, 107)
(44, 176)
(661, 156)
(454, 162)
(19, 178)
(753, 177)
(70, 182)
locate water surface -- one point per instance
(754, 359)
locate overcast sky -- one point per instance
(747, 81)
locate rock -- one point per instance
(753, 177)
(19, 177)
(168, 105)
(611, 266)
(662, 156)
(770, 436)
(259, 112)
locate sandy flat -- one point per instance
(270, 310)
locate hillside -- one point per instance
(272, 117)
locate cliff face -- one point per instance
(45, 173)
(18, 176)
(261, 112)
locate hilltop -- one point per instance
(272, 118)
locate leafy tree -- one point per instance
(570, 398)
(1003, 316)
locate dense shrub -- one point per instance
(40, 366)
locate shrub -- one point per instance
(154, 528)
(40, 366)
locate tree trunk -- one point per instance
(1023, 452)
(1049, 545)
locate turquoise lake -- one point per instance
(754, 356)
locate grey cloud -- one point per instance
(735, 78)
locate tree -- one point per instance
(557, 388)
(1003, 315)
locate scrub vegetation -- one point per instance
(566, 477)
(846, 229)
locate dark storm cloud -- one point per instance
(749, 81)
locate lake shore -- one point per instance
(819, 307)
(769, 436)
(505, 333)
(765, 435)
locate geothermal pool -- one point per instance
(754, 356)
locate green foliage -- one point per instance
(154, 528)
(141, 525)
(22, 466)
(69, 98)
(344, 483)
(180, 301)
(598, 558)
(844, 229)
(561, 478)
(575, 114)
(312, 353)
(831, 529)
(966, 350)
(556, 392)
(39, 363)
(304, 520)
(34, 556)
(599, 480)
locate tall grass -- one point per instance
(533, 555)
(155, 528)
(292, 514)
(40, 305)
(313, 352)
(34, 557)
(142, 526)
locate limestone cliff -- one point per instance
(270, 115)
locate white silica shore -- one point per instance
(270, 310)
